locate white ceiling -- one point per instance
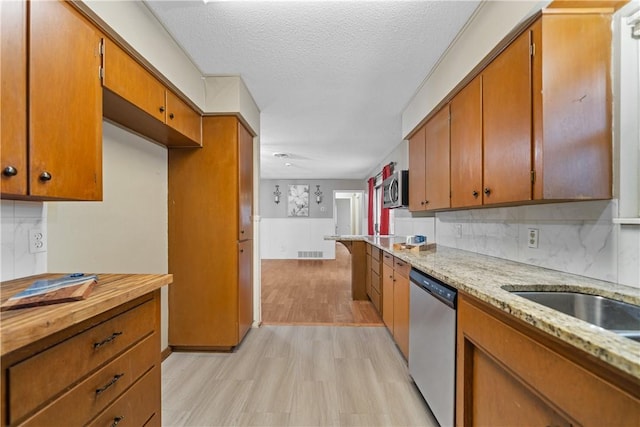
(330, 78)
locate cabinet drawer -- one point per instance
(375, 299)
(369, 248)
(375, 266)
(83, 402)
(45, 375)
(375, 253)
(401, 267)
(375, 281)
(140, 404)
(387, 258)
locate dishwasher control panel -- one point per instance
(444, 293)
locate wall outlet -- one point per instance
(532, 238)
(37, 240)
(459, 231)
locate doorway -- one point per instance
(348, 212)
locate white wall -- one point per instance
(282, 238)
(127, 231)
(17, 219)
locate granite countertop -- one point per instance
(490, 279)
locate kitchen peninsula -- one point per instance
(600, 368)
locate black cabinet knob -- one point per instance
(45, 176)
(162, 108)
(475, 194)
(171, 116)
(10, 171)
(487, 191)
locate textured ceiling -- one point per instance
(330, 78)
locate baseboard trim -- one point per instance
(165, 353)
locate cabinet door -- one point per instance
(65, 96)
(183, 118)
(466, 146)
(437, 190)
(127, 78)
(401, 312)
(368, 273)
(245, 183)
(13, 97)
(417, 171)
(506, 109)
(387, 296)
(572, 106)
(245, 287)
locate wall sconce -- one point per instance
(318, 194)
(276, 195)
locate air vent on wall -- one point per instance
(310, 254)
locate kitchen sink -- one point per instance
(616, 316)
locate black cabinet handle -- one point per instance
(10, 171)
(171, 116)
(487, 191)
(45, 176)
(107, 340)
(162, 108)
(475, 194)
(114, 380)
(116, 420)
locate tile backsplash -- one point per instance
(17, 219)
(578, 237)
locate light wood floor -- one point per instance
(313, 292)
(295, 376)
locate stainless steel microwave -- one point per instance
(396, 190)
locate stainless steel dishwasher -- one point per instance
(432, 344)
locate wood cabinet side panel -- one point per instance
(13, 96)
(437, 182)
(466, 146)
(65, 103)
(417, 147)
(506, 109)
(203, 230)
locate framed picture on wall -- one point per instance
(298, 200)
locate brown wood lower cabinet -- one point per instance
(395, 300)
(509, 374)
(105, 368)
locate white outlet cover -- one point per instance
(37, 240)
(532, 238)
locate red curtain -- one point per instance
(370, 232)
(384, 213)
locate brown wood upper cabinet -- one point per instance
(137, 100)
(429, 164)
(572, 135)
(533, 125)
(506, 119)
(466, 146)
(57, 153)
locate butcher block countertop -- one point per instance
(24, 326)
(491, 279)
